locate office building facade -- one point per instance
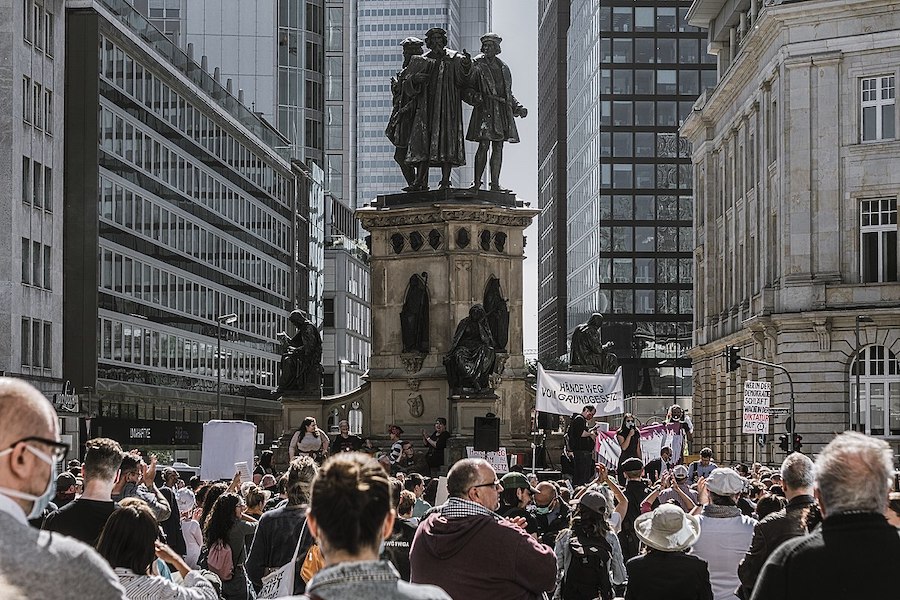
(795, 164)
(32, 88)
(634, 71)
(553, 27)
(179, 212)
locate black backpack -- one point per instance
(587, 577)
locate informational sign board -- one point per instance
(757, 396)
(497, 459)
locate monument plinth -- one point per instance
(435, 255)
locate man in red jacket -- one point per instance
(465, 548)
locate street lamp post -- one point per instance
(228, 319)
(859, 365)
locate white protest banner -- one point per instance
(757, 395)
(224, 444)
(567, 392)
(653, 439)
(497, 459)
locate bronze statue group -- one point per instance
(426, 122)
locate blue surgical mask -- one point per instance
(39, 503)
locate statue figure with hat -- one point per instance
(493, 118)
(436, 138)
(410, 111)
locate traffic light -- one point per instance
(733, 358)
(798, 442)
(783, 442)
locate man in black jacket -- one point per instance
(855, 549)
(581, 440)
(799, 516)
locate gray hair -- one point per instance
(463, 475)
(798, 471)
(853, 473)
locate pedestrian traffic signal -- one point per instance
(783, 442)
(798, 442)
(733, 358)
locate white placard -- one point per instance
(497, 459)
(224, 444)
(442, 492)
(757, 396)
(568, 392)
(244, 469)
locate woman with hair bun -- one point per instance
(350, 515)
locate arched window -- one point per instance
(879, 392)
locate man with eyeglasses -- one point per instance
(42, 564)
(464, 547)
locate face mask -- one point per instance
(39, 503)
(542, 510)
(630, 423)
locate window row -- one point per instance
(399, 12)
(130, 76)
(643, 144)
(37, 343)
(647, 302)
(646, 81)
(641, 208)
(36, 262)
(37, 105)
(651, 50)
(38, 25)
(37, 184)
(646, 270)
(644, 113)
(135, 345)
(637, 176)
(403, 27)
(149, 218)
(155, 285)
(643, 18)
(126, 140)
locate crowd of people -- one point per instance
(353, 525)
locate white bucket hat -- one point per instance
(667, 528)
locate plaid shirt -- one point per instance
(456, 508)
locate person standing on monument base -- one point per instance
(581, 440)
(493, 118)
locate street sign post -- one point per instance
(757, 396)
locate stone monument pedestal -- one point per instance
(461, 239)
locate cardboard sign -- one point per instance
(497, 459)
(757, 396)
(224, 444)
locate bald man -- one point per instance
(42, 564)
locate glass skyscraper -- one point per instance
(634, 72)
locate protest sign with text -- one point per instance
(757, 395)
(567, 393)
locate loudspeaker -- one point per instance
(487, 434)
(548, 421)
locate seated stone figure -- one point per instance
(588, 352)
(470, 360)
(302, 358)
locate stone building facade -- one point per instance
(796, 175)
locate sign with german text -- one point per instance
(757, 396)
(567, 393)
